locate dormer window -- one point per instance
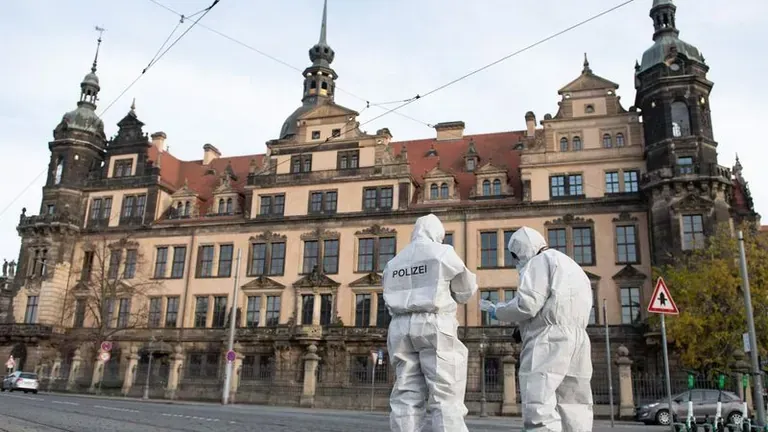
(607, 141)
(486, 188)
(497, 187)
(471, 164)
(444, 191)
(123, 168)
(225, 206)
(433, 191)
(589, 109)
(563, 144)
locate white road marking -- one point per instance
(66, 403)
(193, 417)
(25, 397)
(116, 409)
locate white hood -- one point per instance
(428, 227)
(526, 243)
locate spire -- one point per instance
(322, 54)
(133, 107)
(98, 45)
(319, 78)
(663, 15)
(322, 40)
(586, 69)
(89, 87)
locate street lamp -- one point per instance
(483, 401)
(149, 368)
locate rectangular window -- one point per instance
(155, 312)
(201, 311)
(179, 258)
(258, 259)
(626, 245)
(583, 247)
(612, 183)
(509, 294)
(307, 309)
(79, 313)
(130, 263)
(566, 185)
(373, 254)
(348, 159)
(123, 312)
(448, 240)
(508, 261)
(85, 273)
(106, 211)
(219, 311)
(331, 256)
(123, 168)
(631, 182)
(96, 209)
(315, 135)
(161, 262)
(335, 133)
(30, 315)
(272, 205)
(326, 309)
(493, 296)
(685, 165)
(311, 255)
(205, 261)
(272, 317)
(693, 232)
(108, 311)
(253, 311)
(630, 305)
(382, 313)
(489, 249)
(377, 198)
(225, 261)
(129, 203)
(323, 202)
(133, 208)
(557, 240)
(362, 310)
(171, 312)
(301, 163)
(114, 263)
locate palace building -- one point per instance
(134, 246)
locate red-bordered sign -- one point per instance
(661, 300)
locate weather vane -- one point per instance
(101, 30)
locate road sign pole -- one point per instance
(663, 304)
(666, 372)
(230, 346)
(754, 349)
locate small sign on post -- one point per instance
(105, 356)
(381, 357)
(231, 356)
(662, 304)
(106, 346)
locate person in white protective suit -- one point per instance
(422, 286)
(552, 309)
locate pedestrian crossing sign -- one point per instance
(661, 301)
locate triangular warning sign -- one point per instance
(661, 301)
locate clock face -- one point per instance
(675, 67)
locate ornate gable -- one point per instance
(225, 185)
(629, 273)
(320, 234)
(316, 279)
(569, 219)
(369, 280)
(693, 201)
(262, 283)
(267, 236)
(489, 168)
(376, 230)
(438, 173)
(588, 81)
(328, 110)
(184, 191)
(592, 277)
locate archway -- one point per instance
(19, 354)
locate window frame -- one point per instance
(119, 167)
(269, 250)
(567, 180)
(375, 252)
(482, 249)
(326, 197)
(178, 262)
(702, 234)
(379, 198)
(344, 159)
(203, 261)
(304, 161)
(273, 207)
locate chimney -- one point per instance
(158, 140)
(450, 130)
(530, 123)
(210, 153)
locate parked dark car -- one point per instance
(704, 404)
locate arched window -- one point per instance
(619, 140)
(589, 109)
(179, 209)
(433, 191)
(486, 188)
(607, 141)
(59, 171)
(313, 84)
(497, 187)
(186, 208)
(576, 143)
(229, 205)
(681, 119)
(444, 191)
(221, 206)
(324, 85)
(563, 144)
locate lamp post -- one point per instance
(149, 369)
(483, 401)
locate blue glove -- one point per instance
(488, 306)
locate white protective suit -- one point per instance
(552, 309)
(422, 286)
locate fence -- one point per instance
(262, 383)
(652, 387)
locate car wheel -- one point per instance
(34, 391)
(663, 418)
(735, 418)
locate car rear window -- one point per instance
(28, 376)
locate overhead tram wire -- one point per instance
(157, 58)
(151, 63)
(409, 101)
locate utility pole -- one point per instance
(753, 352)
(230, 346)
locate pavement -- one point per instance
(48, 412)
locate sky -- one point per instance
(219, 89)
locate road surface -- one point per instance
(56, 412)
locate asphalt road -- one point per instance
(56, 413)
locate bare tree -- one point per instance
(111, 293)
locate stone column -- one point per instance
(509, 405)
(234, 381)
(74, 370)
(98, 374)
(55, 371)
(177, 360)
(741, 366)
(311, 359)
(626, 396)
(130, 370)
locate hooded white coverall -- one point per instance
(422, 286)
(552, 309)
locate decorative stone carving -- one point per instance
(268, 236)
(693, 201)
(316, 279)
(625, 217)
(369, 280)
(320, 234)
(629, 273)
(569, 219)
(376, 230)
(262, 283)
